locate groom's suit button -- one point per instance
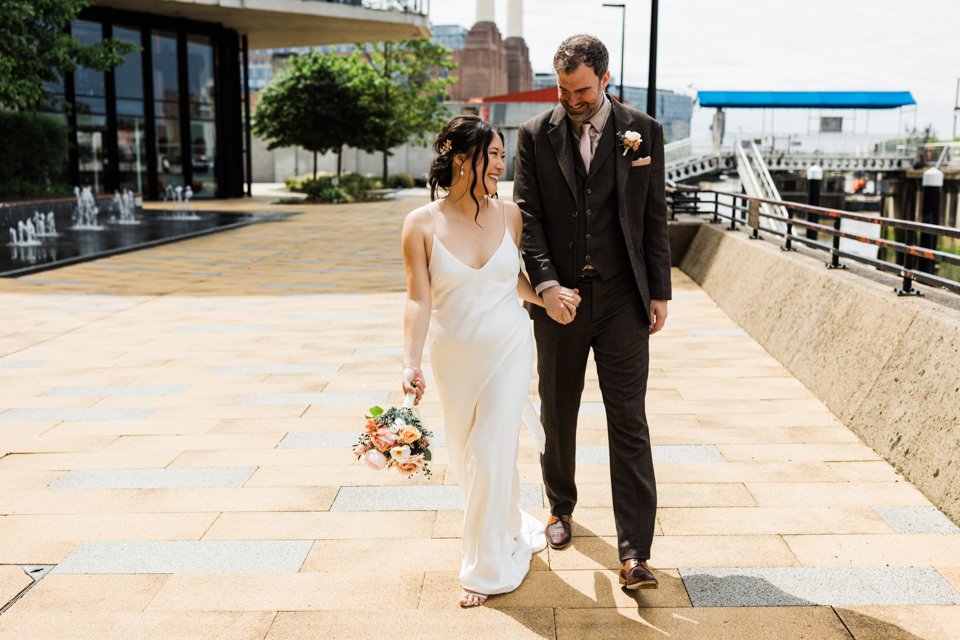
(589, 211)
(571, 245)
(574, 214)
(589, 191)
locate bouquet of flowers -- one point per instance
(395, 438)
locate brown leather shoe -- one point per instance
(637, 575)
(559, 532)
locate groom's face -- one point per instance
(581, 92)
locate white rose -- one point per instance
(400, 454)
(632, 136)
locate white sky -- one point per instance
(785, 45)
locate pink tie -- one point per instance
(585, 146)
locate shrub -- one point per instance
(351, 187)
(400, 181)
(33, 152)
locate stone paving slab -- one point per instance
(118, 391)
(86, 414)
(264, 556)
(13, 580)
(804, 586)
(370, 399)
(767, 623)
(153, 478)
(57, 625)
(421, 498)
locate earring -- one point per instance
(461, 170)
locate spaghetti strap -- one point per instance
(433, 220)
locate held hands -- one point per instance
(561, 303)
(412, 381)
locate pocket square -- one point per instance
(641, 162)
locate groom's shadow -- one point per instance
(592, 591)
(561, 588)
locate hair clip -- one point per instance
(445, 148)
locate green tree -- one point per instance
(35, 48)
(314, 104)
(403, 86)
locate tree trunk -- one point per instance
(339, 160)
(385, 152)
(314, 165)
(386, 104)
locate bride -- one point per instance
(460, 254)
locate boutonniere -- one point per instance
(630, 140)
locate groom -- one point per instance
(595, 219)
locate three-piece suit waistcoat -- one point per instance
(600, 242)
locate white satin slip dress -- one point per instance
(481, 351)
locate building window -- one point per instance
(203, 130)
(131, 124)
(166, 96)
(91, 110)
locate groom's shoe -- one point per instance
(637, 575)
(559, 532)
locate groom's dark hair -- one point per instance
(581, 49)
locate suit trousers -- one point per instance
(611, 320)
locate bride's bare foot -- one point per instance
(471, 599)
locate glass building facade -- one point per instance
(171, 114)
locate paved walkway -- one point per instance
(174, 463)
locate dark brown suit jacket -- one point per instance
(545, 186)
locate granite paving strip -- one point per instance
(117, 391)
(917, 520)
(802, 586)
(91, 414)
(154, 478)
(248, 556)
(274, 399)
(21, 364)
(419, 498)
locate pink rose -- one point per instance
(375, 460)
(412, 465)
(360, 449)
(383, 440)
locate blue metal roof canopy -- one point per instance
(805, 99)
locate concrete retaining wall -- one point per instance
(889, 367)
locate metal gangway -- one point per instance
(757, 182)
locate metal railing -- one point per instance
(916, 261)
(419, 7)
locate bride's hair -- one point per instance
(467, 134)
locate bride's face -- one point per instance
(495, 157)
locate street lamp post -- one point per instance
(652, 81)
(623, 26)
